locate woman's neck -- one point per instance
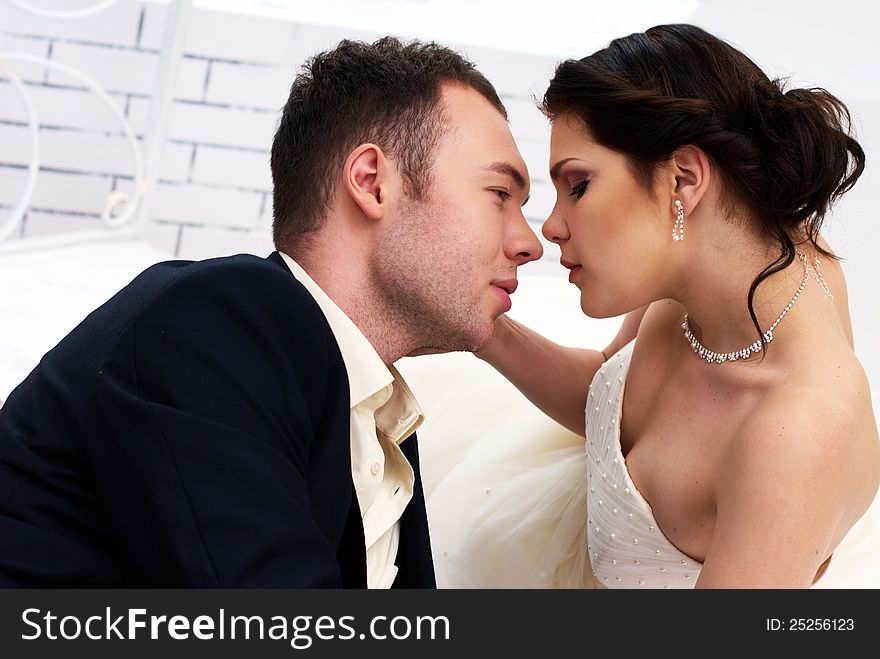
(715, 288)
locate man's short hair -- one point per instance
(386, 93)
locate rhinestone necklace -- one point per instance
(721, 357)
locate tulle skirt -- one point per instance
(507, 500)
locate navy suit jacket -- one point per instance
(192, 432)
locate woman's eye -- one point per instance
(579, 190)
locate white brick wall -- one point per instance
(176, 162)
(40, 223)
(116, 69)
(515, 75)
(227, 37)
(202, 243)
(254, 86)
(12, 183)
(60, 107)
(69, 192)
(221, 125)
(236, 168)
(213, 195)
(37, 47)
(87, 152)
(16, 145)
(207, 205)
(116, 26)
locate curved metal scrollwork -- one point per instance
(62, 13)
(119, 208)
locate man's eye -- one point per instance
(579, 190)
(502, 194)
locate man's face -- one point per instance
(447, 263)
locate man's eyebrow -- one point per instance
(508, 170)
(554, 171)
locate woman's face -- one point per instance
(612, 232)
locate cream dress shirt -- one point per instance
(384, 412)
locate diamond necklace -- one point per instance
(721, 357)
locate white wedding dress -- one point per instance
(626, 547)
(528, 509)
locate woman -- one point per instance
(731, 440)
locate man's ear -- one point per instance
(365, 179)
(690, 174)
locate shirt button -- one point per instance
(374, 468)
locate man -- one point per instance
(237, 422)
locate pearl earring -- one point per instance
(678, 227)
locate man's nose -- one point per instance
(524, 245)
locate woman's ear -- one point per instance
(691, 174)
(365, 179)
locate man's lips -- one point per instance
(505, 288)
(507, 285)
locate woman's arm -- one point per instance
(554, 377)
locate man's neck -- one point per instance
(346, 281)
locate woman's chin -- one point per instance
(596, 308)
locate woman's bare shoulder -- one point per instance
(816, 437)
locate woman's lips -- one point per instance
(574, 268)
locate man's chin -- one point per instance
(485, 334)
(463, 336)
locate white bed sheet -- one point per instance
(46, 293)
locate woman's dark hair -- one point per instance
(386, 93)
(784, 156)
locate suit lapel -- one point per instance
(414, 561)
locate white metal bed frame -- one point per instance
(123, 214)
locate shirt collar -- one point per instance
(401, 414)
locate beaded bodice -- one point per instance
(626, 547)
